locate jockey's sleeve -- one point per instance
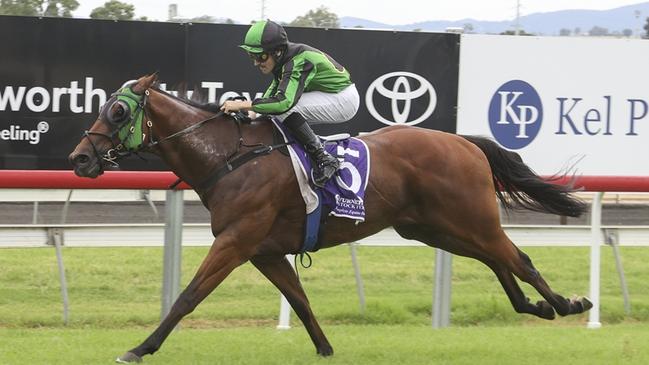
(271, 89)
(296, 75)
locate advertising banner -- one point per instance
(559, 101)
(56, 73)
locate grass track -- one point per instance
(115, 301)
(354, 344)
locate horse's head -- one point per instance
(117, 131)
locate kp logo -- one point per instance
(515, 114)
(402, 90)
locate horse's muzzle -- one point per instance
(85, 165)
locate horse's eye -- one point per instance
(118, 112)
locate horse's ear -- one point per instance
(145, 82)
(150, 79)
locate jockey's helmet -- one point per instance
(264, 36)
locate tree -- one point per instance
(646, 28)
(62, 8)
(18, 7)
(513, 32)
(467, 28)
(318, 18)
(627, 32)
(113, 10)
(203, 19)
(598, 31)
(564, 32)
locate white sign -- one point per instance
(558, 101)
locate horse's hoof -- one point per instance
(128, 358)
(585, 303)
(326, 351)
(545, 310)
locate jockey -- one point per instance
(308, 87)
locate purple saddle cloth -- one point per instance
(343, 195)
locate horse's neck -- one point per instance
(194, 154)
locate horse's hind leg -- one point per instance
(279, 271)
(500, 249)
(519, 301)
(562, 305)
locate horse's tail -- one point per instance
(523, 186)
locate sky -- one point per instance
(389, 12)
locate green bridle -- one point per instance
(132, 138)
(129, 125)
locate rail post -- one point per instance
(284, 306)
(442, 290)
(595, 258)
(172, 250)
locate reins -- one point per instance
(233, 161)
(139, 118)
(182, 131)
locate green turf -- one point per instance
(115, 303)
(353, 344)
(113, 287)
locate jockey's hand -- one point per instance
(235, 105)
(252, 115)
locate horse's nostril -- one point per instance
(80, 159)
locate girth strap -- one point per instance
(234, 164)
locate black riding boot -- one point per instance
(324, 164)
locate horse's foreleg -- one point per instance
(279, 271)
(219, 263)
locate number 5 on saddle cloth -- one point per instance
(343, 195)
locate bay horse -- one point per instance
(438, 188)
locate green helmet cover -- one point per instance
(264, 36)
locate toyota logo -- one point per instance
(402, 90)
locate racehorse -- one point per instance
(431, 186)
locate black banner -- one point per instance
(55, 73)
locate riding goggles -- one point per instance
(259, 57)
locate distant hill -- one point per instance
(614, 20)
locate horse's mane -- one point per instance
(197, 99)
